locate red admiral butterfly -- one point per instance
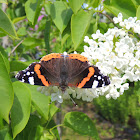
(62, 70)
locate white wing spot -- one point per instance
(28, 73)
(95, 84)
(22, 80)
(99, 77)
(31, 80)
(95, 75)
(17, 75)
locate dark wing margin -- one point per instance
(34, 75)
(93, 78)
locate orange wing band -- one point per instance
(86, 79)
(78, 57)
(41, 77)
(50, 56)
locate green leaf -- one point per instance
(52, 110)
(31, 42)
(126, 7)
(20, 111)
(93, 27)
(40, 101)
(6, 25)
(79, 25)
(2, 34)
(5, 57)
(138, 13)
(55, 131)
(102, 27)
(47, 136)
(15, 20)
(47, 35)
(30, 131)
(4, 53)
(136, 2)
(18, 65)
(6, 90)
(1, 122)
(81, 124)
(3, 1)
(19, 10)
(22, 31)
(5, 135)
(66, 34)
(31, 128)
(60, 14)
(96, 3)
(32, 9)
(36, 133)
(47, 7)
(76, 5)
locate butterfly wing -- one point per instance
(76, 64)
(36, 74)
(95, 78)
(91, 77)
(45, 73)
(82, 75)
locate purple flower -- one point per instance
(40, 18)
(36, 27)
(54, 40)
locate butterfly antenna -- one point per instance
(73, 102)
(63, 90)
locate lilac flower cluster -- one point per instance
(116, 53)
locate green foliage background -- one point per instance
(36, 28)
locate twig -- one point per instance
(108, 18)
(15, 48)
